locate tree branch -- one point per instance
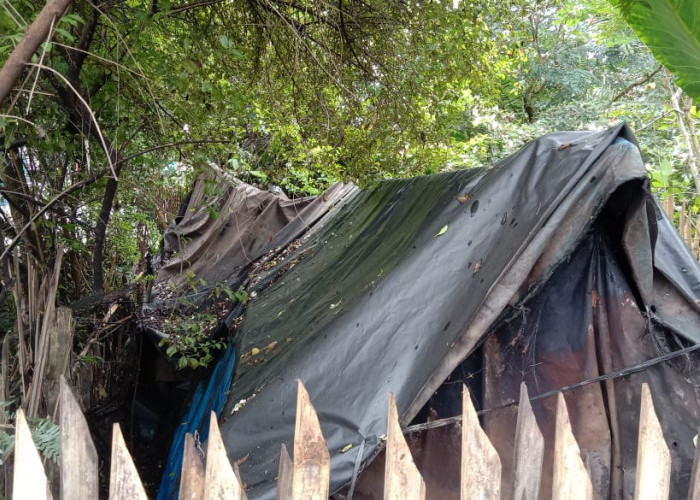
(639, 82)
(41, 212)
(28, 45)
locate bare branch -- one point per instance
(638, 83)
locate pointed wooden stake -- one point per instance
(653, 476)
(29, 479)
(124, 481)
(79, 466)
(311, 471)
(284, 475)
(570, 479)
(694, 491)
(402, 481)
(481, 467)
(192, 475)
(529, 451)
(220, 478)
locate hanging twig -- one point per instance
(108, 152)
(41, 62)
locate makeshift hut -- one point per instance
(555, 267)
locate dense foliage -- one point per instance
(126, 102)
(134, 98)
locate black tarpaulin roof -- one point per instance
(398, 284)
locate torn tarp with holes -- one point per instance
(553, 266)
(224, 228)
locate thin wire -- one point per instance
(639, 367)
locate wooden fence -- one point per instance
(307, 475)
(687, 223)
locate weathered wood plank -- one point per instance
(29, 479)
(311, 470)
(284, 475)
(481, 466)
(124, 480)
(47, 293)
(653, 476)
(402, 481)
(221, 482)
(79, 465)
(694, 491)
(192, 475)
(570, 479)
(60, 343)
(4, 373)
(528, 455)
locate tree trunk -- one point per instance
(101, 226)
(28, 45)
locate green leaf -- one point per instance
(442, 231)
(182, 363)
(65, 34)
(671, 29)
(225, 42)
(171, 350)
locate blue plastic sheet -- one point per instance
(204, 401)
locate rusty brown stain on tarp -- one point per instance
(604, 416)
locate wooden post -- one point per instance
(570, 479)
(402, 481)
(653, 477)
(79, 466)
(668, 205)
(220, 480)
(694, 491)
(284, 475)
(192, 475)
(29, 479)
(124, 480)
(311, 471)
(481, 467)
(4, 374)
(529, 451)
(60, 344)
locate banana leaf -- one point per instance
(671, 29)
